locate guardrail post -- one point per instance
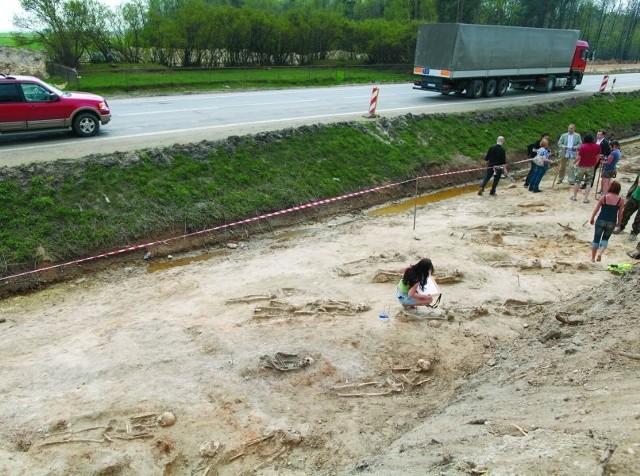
(603, 84)
(373, 103)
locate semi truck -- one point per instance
(484, 60)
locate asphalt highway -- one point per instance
(145, 122)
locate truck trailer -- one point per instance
(484, 60)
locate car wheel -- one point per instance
(503, 85)
(86, 124)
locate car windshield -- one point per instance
(56, 90)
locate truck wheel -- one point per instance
(502, 87)
(490, 88)
(548, 86)
(475, 88)
(573, 82)
(86, 124)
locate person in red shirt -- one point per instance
(586, 160)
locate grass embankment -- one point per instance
(65, 210)
(104, 79)
(6, 39)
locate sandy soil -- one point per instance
(491, 382)
(22, 61)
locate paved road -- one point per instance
(164, 120)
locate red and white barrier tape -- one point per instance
(237, 223)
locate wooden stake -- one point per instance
(415, 206)
(556, 177)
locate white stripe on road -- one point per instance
(195, 109)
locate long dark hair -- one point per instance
(615, 187)
(418, 273)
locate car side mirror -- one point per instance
(53, 97)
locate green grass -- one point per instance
(73, 209)
(6, 39)
(104, 79)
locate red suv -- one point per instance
(28, 104)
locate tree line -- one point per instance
(212, 33)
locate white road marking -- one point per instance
(195, 109)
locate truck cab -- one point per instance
(581, 56)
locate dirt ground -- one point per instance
(273, 358)
(22, 61)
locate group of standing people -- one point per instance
(580, 159)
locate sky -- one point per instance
(10, 7)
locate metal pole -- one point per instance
(415, 206)
(556, 177)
